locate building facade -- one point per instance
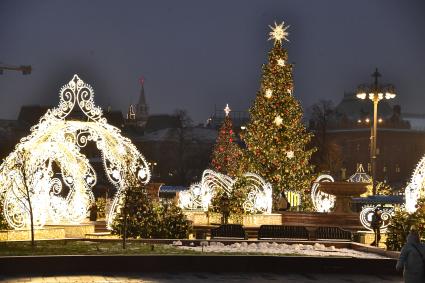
(400, 139)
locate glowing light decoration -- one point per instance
(227, 110)
(199, 195)
(366, 216)
(259, 199)
(281, 62)
(415, 189)
(360, 176)
(278, 32)
(48, 167)
(278, 120)
(269, 93)
(294, 197)
(322, 202)
(290, 154)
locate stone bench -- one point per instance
(282, 232)
(333, 233)
(229, 231)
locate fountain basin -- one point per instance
(343, 191)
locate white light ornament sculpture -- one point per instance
(415, 189)
(199, 195)
(322, 201)
(48, 168)
(367, 212)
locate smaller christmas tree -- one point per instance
(226, 154)
(401, 223)
(137, 214)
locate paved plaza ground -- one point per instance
(208, 277)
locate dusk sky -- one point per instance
(197, 54)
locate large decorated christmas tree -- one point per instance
(226, 153)
(276, 137)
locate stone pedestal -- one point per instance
(39, 234)
(75, 230)
(310, 219)
(48, 232)
(202, 218)
(367, 237)
(348, 221)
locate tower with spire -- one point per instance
(139, 113)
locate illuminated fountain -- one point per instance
(343, 191)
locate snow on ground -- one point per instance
(276, 249)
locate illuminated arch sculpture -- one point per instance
(415, 189)
(199, 195)
(366, 216)
(58, 177)
(322, 201)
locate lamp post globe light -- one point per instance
(375, 92)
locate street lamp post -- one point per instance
(376, 93)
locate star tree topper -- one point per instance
(227, 110)
(279, 32)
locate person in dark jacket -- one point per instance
(283, 203)
(411, 259)
(376, 226)
(93, 212)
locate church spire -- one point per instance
(142, 99)
(142, 107)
